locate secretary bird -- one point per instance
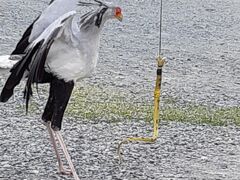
(60, 48)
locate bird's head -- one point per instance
(114, 13)
(101, 15)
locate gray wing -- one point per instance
(39, 49)
(34, 60)
(56, 9)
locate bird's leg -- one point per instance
(65, 151)
(62, 170)
(48, 111)
(46, 117)
(58, 98)
(62, 91)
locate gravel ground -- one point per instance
(200, 40)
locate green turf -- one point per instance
(203, 115)
(96, 103)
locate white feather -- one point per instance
(6, 63)
(71, 62)
(74, 54)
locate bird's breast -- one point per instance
(70, 62)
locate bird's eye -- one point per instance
(118, 11)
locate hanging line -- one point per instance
(160, 27)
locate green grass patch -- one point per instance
(217, 116)
(96, 104)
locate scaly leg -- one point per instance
(67, 156)
(62, 170)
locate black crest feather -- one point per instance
(97, 3)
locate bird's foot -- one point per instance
(64, 171)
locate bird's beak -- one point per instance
(119, 17)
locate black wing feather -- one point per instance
(24, 43)
(37, 71)
(51, 2)
(17, 73)
(33, 62)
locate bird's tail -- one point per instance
(12, 81)
(17, 73)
